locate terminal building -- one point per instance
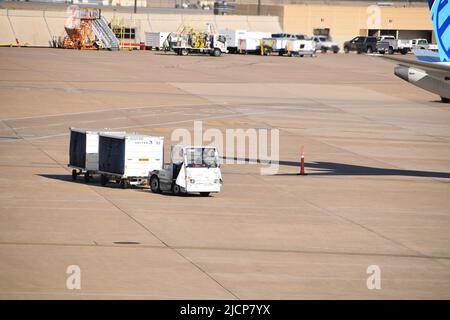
(39, 23)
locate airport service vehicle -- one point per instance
(387, 44)
(157, 40)
(284, 43)
(192, 169)
(83, 152)
(127, 158)
(324, 44)
(431, 70)
(361, 44)
(200, 42)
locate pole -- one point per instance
(259, 7)
(302, 161)
(135, 6)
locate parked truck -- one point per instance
(324, 44)
(405, 46)
(387, 44)
(192, 169)
(361, 45)
(200, 42)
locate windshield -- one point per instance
(201, 158)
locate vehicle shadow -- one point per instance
(96, 182)
(342, 169)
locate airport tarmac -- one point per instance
(377, 190)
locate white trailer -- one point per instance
(192, 169)
(288, 45)
(83, 152)
(127, 159)
(156, 40)
(251, 43)
(233, 37)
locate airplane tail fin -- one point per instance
(440, 16)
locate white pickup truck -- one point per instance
(387, 44)
(405, 46)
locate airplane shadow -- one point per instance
(342, 169)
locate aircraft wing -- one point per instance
(437, 68)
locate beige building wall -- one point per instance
(346, 21)
(7, 36)
(30, 27)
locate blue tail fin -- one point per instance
(440, 15)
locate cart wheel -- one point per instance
(204, 194)
(184, 52)
(74, 174)
(154, 184)
(103, 180)
(176, 189)
(124, 184)
(87, 178)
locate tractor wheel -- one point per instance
(155, 185)
(176, 189)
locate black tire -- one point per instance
(184, 52)
(87, 177)
(335, 51)
(176, 189)
(391, 50)
(155, 185)
(445, 100)
(124, 184)
(204, 194)
(103, 180)
(74, 174)
(216, 52)
(346, 50)
(403, 52)
(324, 50)
(381, 52)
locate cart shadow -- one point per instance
(96, 182)
(80, 180)
(342, 169)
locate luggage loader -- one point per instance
(192, 169)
